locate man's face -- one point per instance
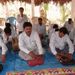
(61, 34)
(40, 21)
(28, 30)
(21, 11)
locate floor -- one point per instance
(15, 63)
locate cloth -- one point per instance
(3, 46)
(41, 29)
(20, 21)
(57, 42)
(72, 35)
(6, 39)
(37, 61)
(64, 57)
(69, 26)
(32, 43)
(50, 32)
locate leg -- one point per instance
(32, 62)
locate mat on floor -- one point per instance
(54, 71)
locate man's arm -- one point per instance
(38, 42)
(52, 44)
(23, 47)
(71, 47)
(4, 49)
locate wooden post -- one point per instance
(73, 10)
(32, 7)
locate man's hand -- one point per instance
(58, 56)
(69, 56)
(32, 54)
(3, 57)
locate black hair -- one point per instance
(7, 30)
(64, 30)
(27, 24)
(55, 26)
(1, 67)
(70, 19)
(40, 18)
(8, 25)
(21, 8)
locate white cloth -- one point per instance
(41, 29)
(72, 35)
(3, 46)
(20, 21)
(27, 44)
(57, 42)
(50, 32)
(69, 26)
(6, 39)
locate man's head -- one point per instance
(62, 32)
(55, 26)
(7, 31)
(27, 26)
(8, 25)
(69, 20)
(40, 21)
(21, 10)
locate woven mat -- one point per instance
(54, 71)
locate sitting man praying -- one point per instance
(30, 46)
(61, 46)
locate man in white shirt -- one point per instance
(69, 25)
(72, 36)
(4, 49)
(61, 46)
(7, 38)
(53, 30)
(13, 31)
(30, 46)
(21, 18)
(40, 28)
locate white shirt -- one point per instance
(6, 39)
(72, 35)
(3, 46)
(57, 42)
(41, 29)
(68, 26)
(20, 22)
(27, 44)
(50, 32)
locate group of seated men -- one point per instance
(30, 43)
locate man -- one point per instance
(21, 18)
(72, 36)
(13, 31)
(53, 29)
(40, 28)
(4, 49)
(30, 46)
(7, 38)
(69, 25)
(61, 46)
